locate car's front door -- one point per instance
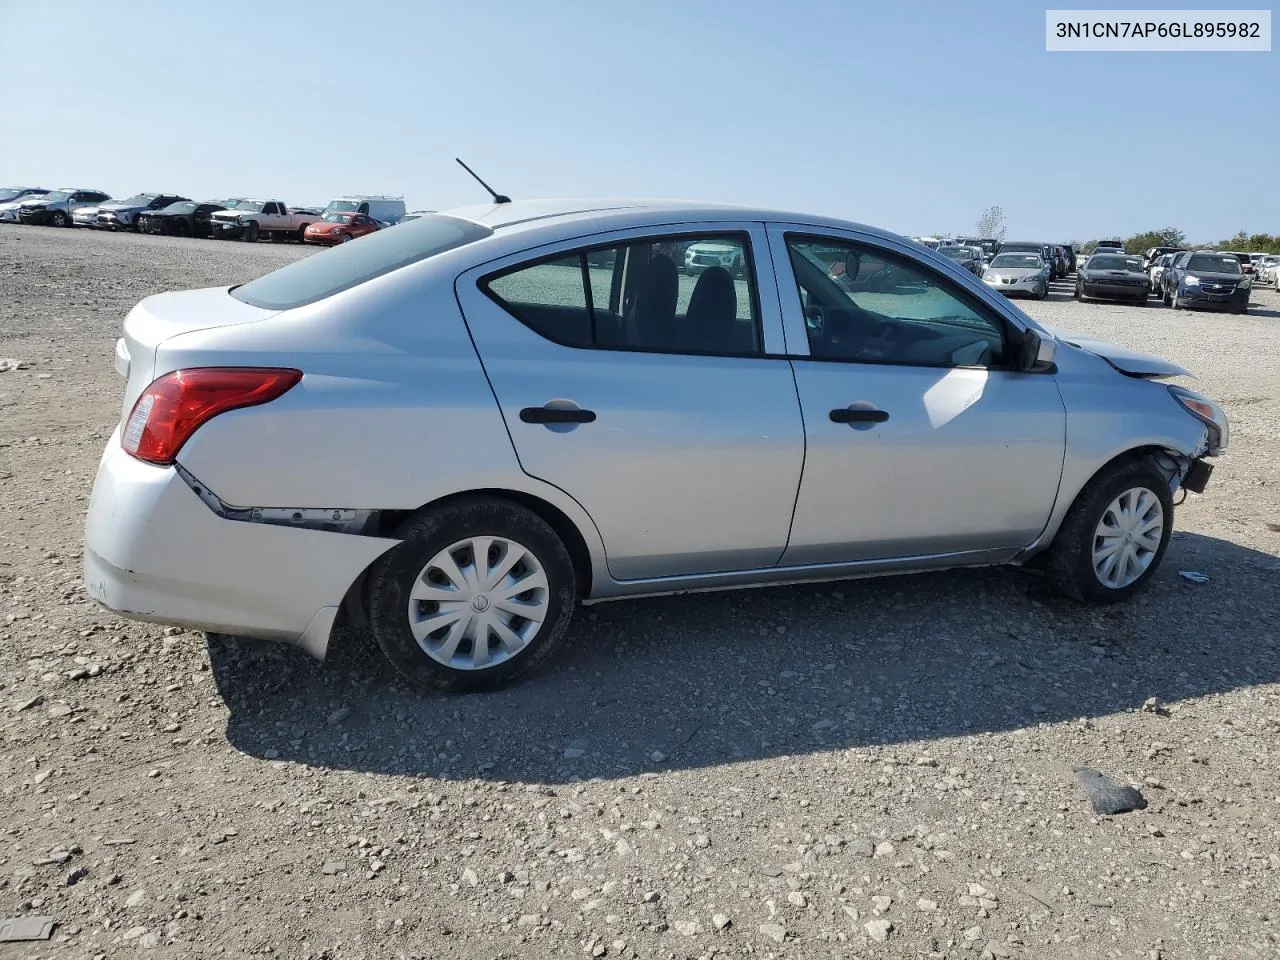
(647, 394)
(921, 437)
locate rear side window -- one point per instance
(351, 264)
(692, 294)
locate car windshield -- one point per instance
(253, 206)
(1112, 262)
(181, 206)
(236, 204)
(1016, 261)
(9, 193)
(1214, 263)
(336, 217)
(338, 206)
(350, 264)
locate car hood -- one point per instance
(31, 202)
(1132, 362)
(122, 207)
(1216, 277)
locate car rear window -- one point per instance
(348, 265)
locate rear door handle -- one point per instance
(845, 415)
(556, 415)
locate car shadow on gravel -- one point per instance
(709, 679)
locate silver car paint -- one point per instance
(693, 464)
(376, 356)
(968, 460)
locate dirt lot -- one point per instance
(766, 774)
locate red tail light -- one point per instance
(172, 408)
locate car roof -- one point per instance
(624, 212)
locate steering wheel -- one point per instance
(815, 321)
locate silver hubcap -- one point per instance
(478, 603)
(1127, 537)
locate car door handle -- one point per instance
(556, 415)
(845, 415)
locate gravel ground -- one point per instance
(872, 768)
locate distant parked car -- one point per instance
(10, 194)
(965, 257)
(1264, 265)
(1207, 279)
(340, 228)
(702, 255)
(1246, 261)
(1071, 256)
(252, 220)
(1019, 274)
(386, 210)
(186, 218)
(1045, 251)
(1155, 253)
(55, 208)
(1109, 246)
(1113, 276)
(85, 217)
(9, 208)
(123, 214)
(1156, 271)
(454, 431)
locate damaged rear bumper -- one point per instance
(156, 552)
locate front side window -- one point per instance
(868, 305)
(666, 295)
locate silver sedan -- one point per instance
(462, 428)
(1019, 274)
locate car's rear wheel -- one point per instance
(1114, 536)
(181, 228)
(478, 594)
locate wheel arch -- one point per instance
(1168, 459)
(356, 600)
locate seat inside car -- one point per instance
(653, 320)
(713, 309)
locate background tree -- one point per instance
(1164, 237)
(991, 224)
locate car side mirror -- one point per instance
(1036, 353)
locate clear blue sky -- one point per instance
(910, 115)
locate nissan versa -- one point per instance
(461, 427)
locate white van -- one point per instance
(386, 210)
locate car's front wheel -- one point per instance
(477, 595)
(58, 219)
(1115, 534)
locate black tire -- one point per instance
(301, 235)
(1044, 291)
(1080, 292)
(1068, 563)
(429, 532)
(59, 218)
(181, 228)
(252, 231)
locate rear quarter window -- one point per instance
(348, 265)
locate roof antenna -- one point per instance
(497, 197)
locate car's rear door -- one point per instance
(922, 439)
(661, 402)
